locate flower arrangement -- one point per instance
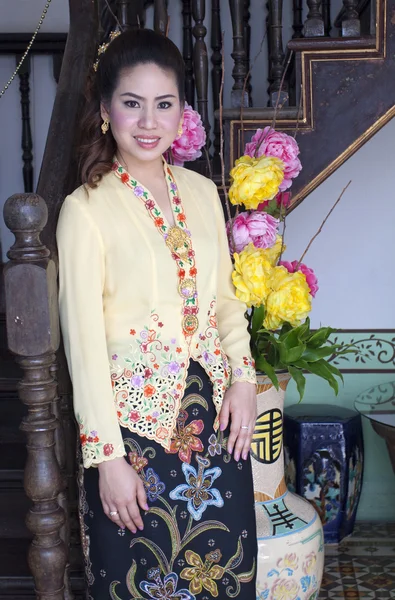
(188, 145)
(278, 293)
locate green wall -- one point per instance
(378, 353)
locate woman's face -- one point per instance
(145, 113)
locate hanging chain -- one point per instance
(15, 73)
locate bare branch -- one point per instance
(322, 225)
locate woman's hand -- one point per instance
(240, 407)
(121, 492)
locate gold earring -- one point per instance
(180, 130)
(105, 126)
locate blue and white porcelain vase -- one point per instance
(289, 531)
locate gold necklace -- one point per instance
(15, 73)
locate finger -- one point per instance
(234, 431)
(135, 514)
(116, 519)
(142, 497)
(126, 518)
(247, 444)
(224, 416)
(240, 443)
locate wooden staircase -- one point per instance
(347, 96)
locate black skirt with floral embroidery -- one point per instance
(199, 537)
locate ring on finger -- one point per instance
(113, 513)
(244, 427)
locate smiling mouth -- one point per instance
(147, 140)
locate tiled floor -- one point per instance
(361, 567)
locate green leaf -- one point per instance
(285, 328)
(320, 337)
(299, 378)
(335, 371)
(258, 314)
(322, 369)
(291, 355)
(290, 339)
(262, 365)
(304, 330)
(312, 355)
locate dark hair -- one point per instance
(128, 50)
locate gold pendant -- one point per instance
(190, 324)
(178, 241)
(187, 288)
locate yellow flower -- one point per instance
(273, 254)
(250, 275)
(285, 589)
(255, 180)
(202, 575)
(290, 561)
(309, 564)
(289, 298)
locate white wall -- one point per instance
(353, 255)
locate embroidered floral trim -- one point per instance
(94, 450)
(245, 372)
(177, 238)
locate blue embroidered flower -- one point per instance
(197, 492)
(152, 484)
(166, 590)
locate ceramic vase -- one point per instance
(289, 531)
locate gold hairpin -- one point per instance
(103, 47)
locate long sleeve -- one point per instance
(232, 324)
(81, 284)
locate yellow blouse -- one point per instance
(139, 299)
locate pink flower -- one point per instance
(256, 227)
(188, 145)
(280, 145)
(108, 449)
(134, 416)
(311, 278)
(283, 199)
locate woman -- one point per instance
(157, 348)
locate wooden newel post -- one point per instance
(33, 337)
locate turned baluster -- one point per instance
(351, 25)
(239, 55)
(187, 51)
(297, 24)
(314, 24)
(60, 450)
(33, 337)
(200, 62)
(27, 143)
(247, 45)
(278, 95)
(326, 15)
(216, 73)
(161, 17)
(129, 13)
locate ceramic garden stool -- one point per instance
(324, 462)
